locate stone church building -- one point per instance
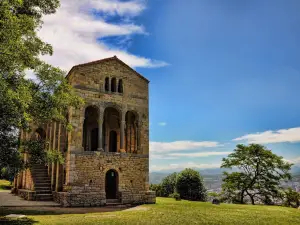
(106, 154)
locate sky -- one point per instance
(221, 72)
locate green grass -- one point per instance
(4, 185)
(169, 211)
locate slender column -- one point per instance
(49, 144)
(57, 186)
(109, 84)
(53, 164)
(122, 129)
(136, 137)
(100, 125)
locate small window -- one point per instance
(106, 84)
(120, 86)
(113, 85)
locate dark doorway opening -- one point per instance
(111, 184)
(94, 139)
(113, 141)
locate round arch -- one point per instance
(111, 184)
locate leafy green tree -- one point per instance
(190, 185)
(291, 198)
(168, 184)
(24, 101)
(258, 176)
(157, 188)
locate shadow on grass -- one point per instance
(5, 187)
(55, 210)
(23, 221)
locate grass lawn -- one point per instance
(4, 185)
(169, 211)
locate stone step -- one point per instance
(42, 184)
(43, 191)
(44, 197)
(45, 187)
(113, 201)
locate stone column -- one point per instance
(136, 137)
(109, 85)
(100, 125)
(57, 186)
(53, 164)
(122, 130)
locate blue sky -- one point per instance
(221, 72)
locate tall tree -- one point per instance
(45, 98)
(190, 185)
(168, 184)
(258, 176)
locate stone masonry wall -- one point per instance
(88, 183)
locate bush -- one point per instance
(176, 196)
(157, 188)
(169, 185)
(292, 198)
(190, 185)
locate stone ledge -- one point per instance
(27, 194)
(121, 154)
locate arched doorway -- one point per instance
(90, 129)
(111, 184)
(113, 141)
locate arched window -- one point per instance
(113, 85)
(120, 86)
(106, 84)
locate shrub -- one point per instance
(190, 185)
(176, 196)
(169, 185)
(157, 188)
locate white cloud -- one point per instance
(284, 135)
(76, 35)
(295, 161)
(163, 147)
(198, 154)
(162, 124)
(182, 166)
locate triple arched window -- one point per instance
(113, 85)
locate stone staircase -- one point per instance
(42, 182)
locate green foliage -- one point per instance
(190, 185)
(176, 196)
(55, 156)
(48, 97)
(35, 150)
(168, 185)
(259, 174)
(291, 198)
(213, 194)
(157, 188)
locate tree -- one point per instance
(168, 184)
(190, 185)
(259, 173)
(43, 99)
(292, 198)
(157, 188)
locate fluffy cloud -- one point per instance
(285, 135)
(75, 33)
(163, 147)
(198, 154)
(162, 124)
(182, 166)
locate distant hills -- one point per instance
(157, 177)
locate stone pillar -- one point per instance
(100, 125)
(122, 131)
(136, 138)
(109, 85)
(53, 164)
(58, 186)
